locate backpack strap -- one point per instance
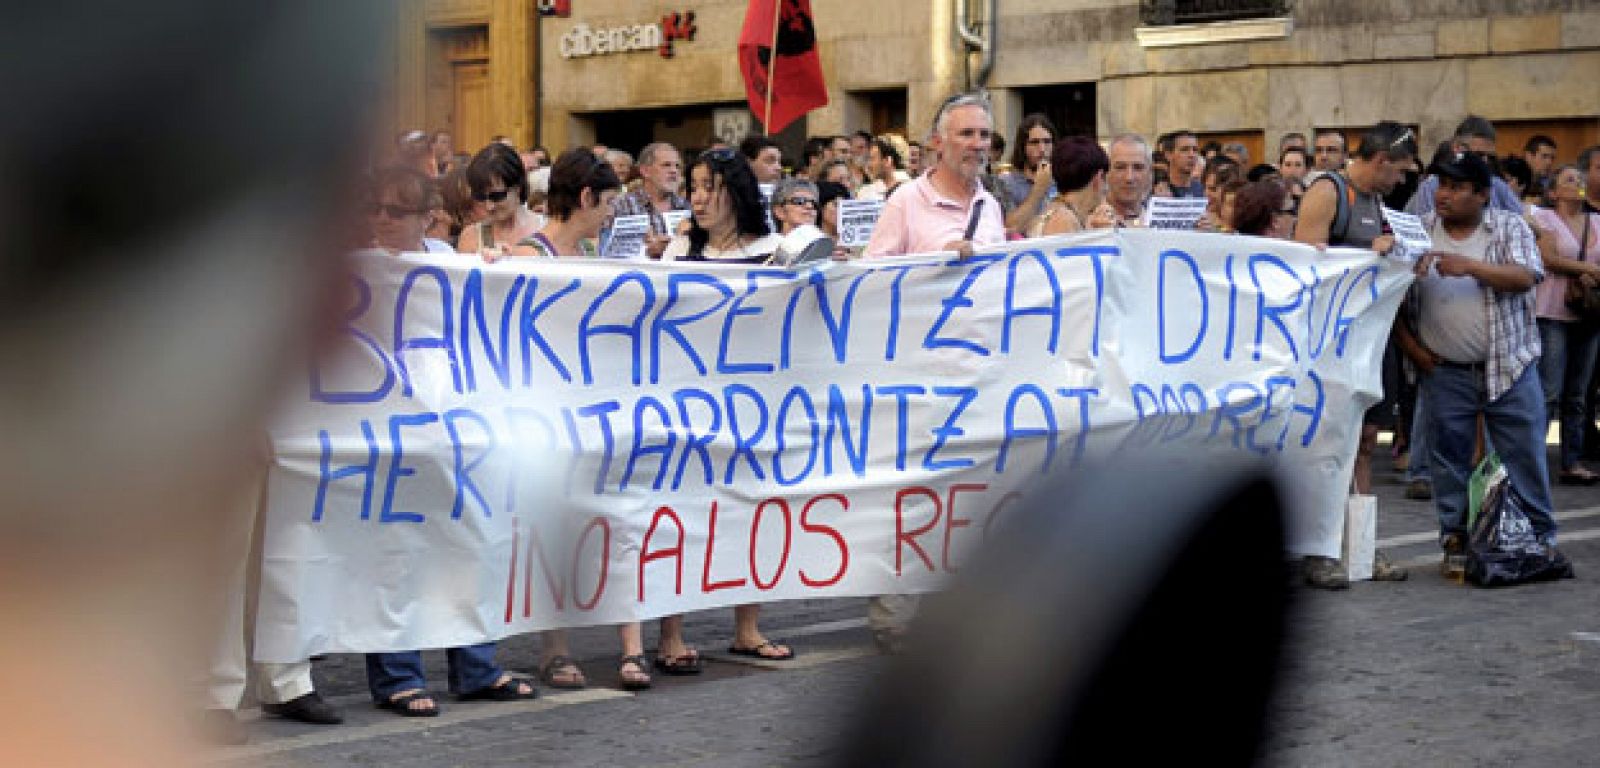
(1345, 201)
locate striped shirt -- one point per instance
(1513, 332)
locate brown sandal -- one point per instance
(639, 680)
(551, 674)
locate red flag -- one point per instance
(795, 74)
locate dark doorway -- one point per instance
(1070, 106)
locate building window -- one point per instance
(1162, 13)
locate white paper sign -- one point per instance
(1174, 212)
(1408, 230)
(494, 449)
(857, 219)
(627, 237)
(766, 204)
(672, 219)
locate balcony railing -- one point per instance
(1162, 13)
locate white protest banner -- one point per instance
(1174, 212)
(673, 219)
(501, 448)
(857, 218)
(1408, 230)
(627, 237)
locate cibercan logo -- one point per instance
(583, 40)
(562, 8)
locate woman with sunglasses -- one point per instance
(794, 202)
(729, 223)
(403, 200)
(499, 181)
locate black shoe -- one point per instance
(219, 727)
(310, 708)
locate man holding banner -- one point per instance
(946, 209)
(1346, 208)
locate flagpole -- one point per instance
(772, 65)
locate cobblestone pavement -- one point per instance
(1423, 672)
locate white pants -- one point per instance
(228, 678)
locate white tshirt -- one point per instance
(756, 252)
(1455, 320)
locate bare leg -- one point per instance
(556, 668)
(1362, 479)
(747, 634)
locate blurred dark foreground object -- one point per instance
(1128, 615)
(175, 179)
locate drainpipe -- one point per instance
(976, 42)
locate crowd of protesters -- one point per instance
(1491, 331)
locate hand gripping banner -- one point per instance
(496, 449)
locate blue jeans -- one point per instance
(1568, 361)
(472, 668)
(1417, 459)
(1516, 426)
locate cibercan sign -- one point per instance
(583, 40)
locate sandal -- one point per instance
(687, 663)
(560, 672)
(638, 680)
(756, 652)
(401, 705)
(508, 689)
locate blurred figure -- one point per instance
(1130, 177)
(914, 159)
(443, 146)
(1028, 187)
(1079, 166)
(1540, 155)
(765, 158)
(137, 372)
(794, 203)
(1264, 209)
(883, 167)
(1292, 164)
(413, 150)
(621, 164)
(1238, 153)
(828, 196)
(1329, 150)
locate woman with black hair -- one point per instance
(499, 181)
(729, 222)
(729, 226)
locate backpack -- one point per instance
(1345, 201)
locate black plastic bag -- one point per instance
(1504, 550)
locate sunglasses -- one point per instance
(491, 197)
(801, 201)
(394, 211)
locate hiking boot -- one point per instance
(1383, 569)
(1325, 573)
(1419, 490)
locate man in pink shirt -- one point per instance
(932, 212)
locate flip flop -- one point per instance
(755, 653)
(401, 705)
(685, 664)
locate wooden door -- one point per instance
(470, 84)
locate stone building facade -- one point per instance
(1099, 66)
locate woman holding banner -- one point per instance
(401, 201)
(729, 221)
(730, 227)
(581, 190)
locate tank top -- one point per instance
(1366, 215)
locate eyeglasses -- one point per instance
(807, 202)
(491, 197)
(394, 211)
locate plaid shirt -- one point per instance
(637, 202)
(1513, 333)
